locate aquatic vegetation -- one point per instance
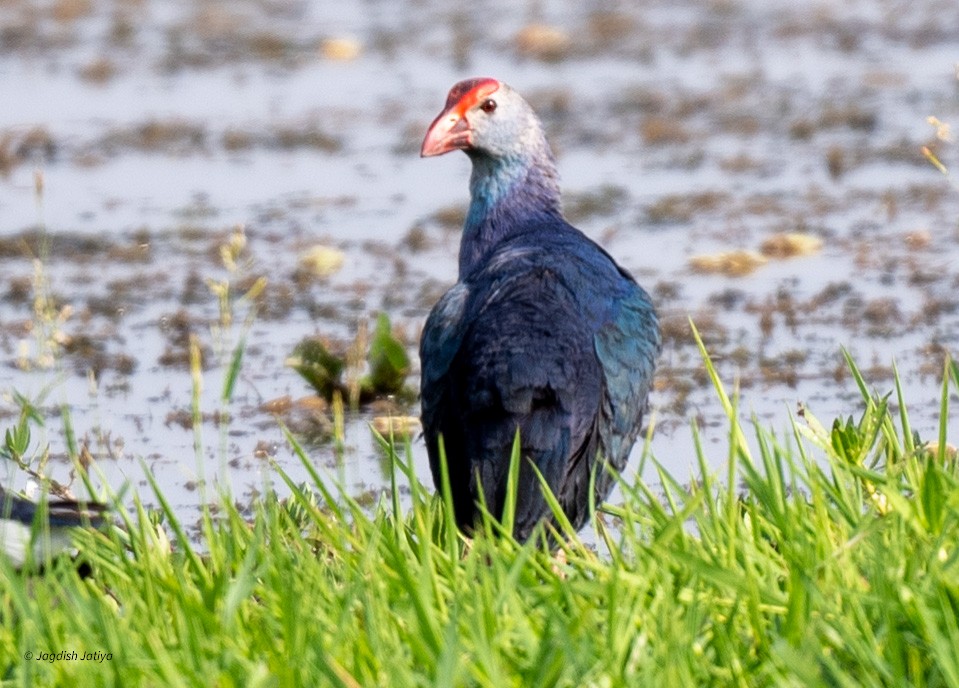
(386, 370)
(823, 556)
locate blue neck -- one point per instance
(507, 197)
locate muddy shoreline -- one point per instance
(691, 140)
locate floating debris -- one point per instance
(661, 131)
(918, 239)
(396, 426)
(286, 403)
(931, 450)
(790, 245)
(680, 208)
(943, 130)
(100, 71)
(544, 42)
(278, 405)
(730, 263)
(307, 417)
(68, 11)
(322, 261)
(341, 49)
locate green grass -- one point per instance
(824, 557)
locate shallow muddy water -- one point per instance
(682, 131)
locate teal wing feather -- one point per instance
(627, 347)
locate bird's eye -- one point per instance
(488, 105)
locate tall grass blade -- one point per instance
(233, 371)
(184, 542)
(508, 519)
(944, 414)
(446, 495)
(909, 444)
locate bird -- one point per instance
(543, 335)
(31, 533)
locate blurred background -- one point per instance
(232, 177)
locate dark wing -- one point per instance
(439, 344)
(527, 362)
(16, 508)
(627, 346)
(64, 513)
(60, 513)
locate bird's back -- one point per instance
(20, 532)
(523, 357)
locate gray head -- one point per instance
(486, 118)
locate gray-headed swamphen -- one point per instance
(543, 332)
